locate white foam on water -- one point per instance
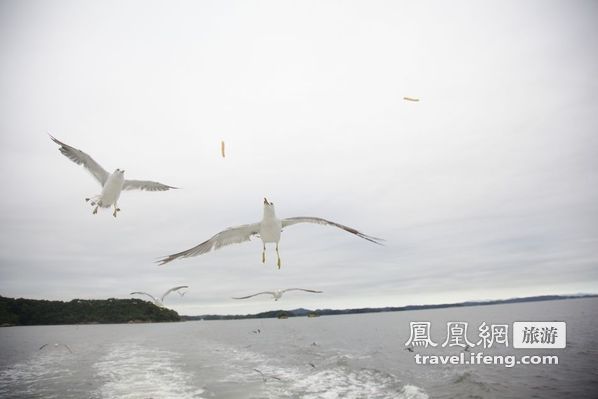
(131, 371)
(336, 381)
(342, 382)
(413, 392)
(36, 376)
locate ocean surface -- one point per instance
(350, 356)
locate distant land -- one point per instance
(327, 312)
(28, 312)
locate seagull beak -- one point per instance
(122, 171)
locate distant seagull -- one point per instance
(277, 294)
(258, 331)
(264, 377)
(410, 349)
(112, 184)
(160, 302)
(268, 229)
(312, 365)
(411, 99)
(55, 346)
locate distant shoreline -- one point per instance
(331, 312)
(133, 311)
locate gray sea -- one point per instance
(350, 356)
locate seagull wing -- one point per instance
(259, 293)
(232, 235)
(81, 158)
(145, 185)
(143, 293)
(302, 289)
(173, 289)
(302, 219)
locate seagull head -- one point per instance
(122, 172)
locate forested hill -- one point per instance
(29, 312)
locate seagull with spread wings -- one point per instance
(277, 294)
(56, 345)
(160, 301)
(112, 184)
(269, 230)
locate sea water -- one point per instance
(349, 356)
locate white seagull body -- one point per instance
(160, 301)
(112, 184)
(268, 229)
(277, 294)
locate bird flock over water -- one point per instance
(269, 229)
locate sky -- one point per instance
(486, 188)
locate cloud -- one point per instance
(484, 188)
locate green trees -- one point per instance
(35, 312)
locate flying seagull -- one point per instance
(160, 302)
(112, 184)
(268, 229)
(55, 346)
(277, 294)
(264, 377)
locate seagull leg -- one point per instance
(278, 255)
(95, 210)
(115, 210)
(264, 254)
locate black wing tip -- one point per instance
(164, 260)
(54, 139)
(375, 240)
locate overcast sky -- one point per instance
(486, 188)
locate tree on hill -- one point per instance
(41, 312)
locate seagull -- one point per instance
(269, 230)
(277, 294)
(55, 346)
(160, 302)
(112, 184)
(264, 377)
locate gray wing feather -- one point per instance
(232, 235)
(143, 293)
(145, 185)
(250, 296)
(306, 219)
(302, 289)
(173, 289)
(81, 158)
